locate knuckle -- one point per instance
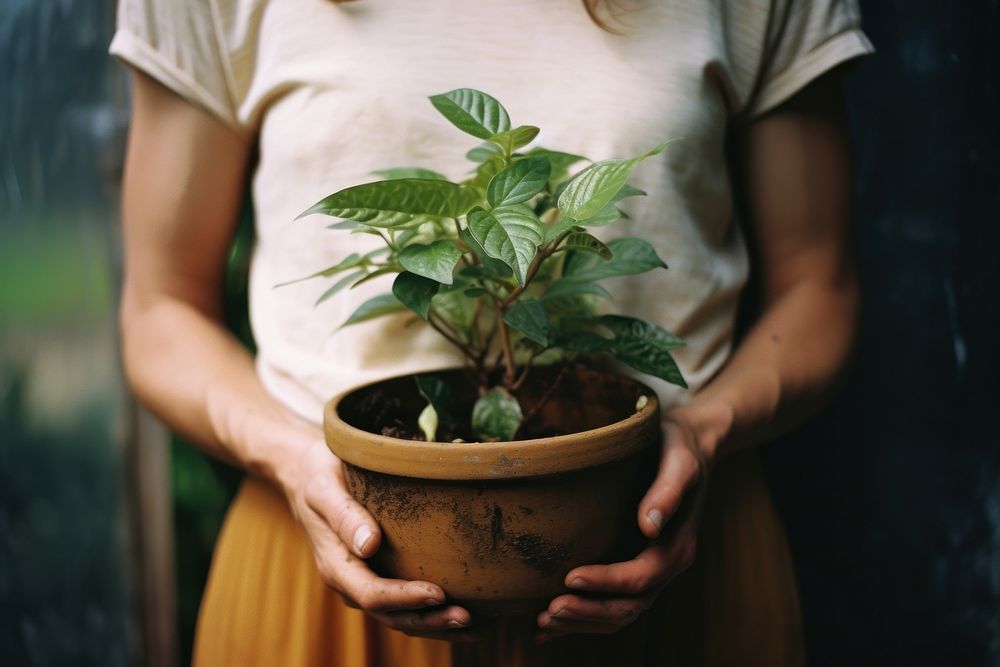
(406, 622)
(349, 601)
(367, 600)
(326, 573)
(692, 468)
(636, 583)
(316, 487)
(687, 550)
(630, 610)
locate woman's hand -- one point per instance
(792, 169)
(612, 596)
(185, 178)
(343, 534)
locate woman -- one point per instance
(326, 93)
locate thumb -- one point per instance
(356, 528)
(680, 469)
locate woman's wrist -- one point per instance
(710, 422)
(262, 436)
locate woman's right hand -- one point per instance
(185, 178)
(343, 534)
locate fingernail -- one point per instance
(656, 518)
(361, 537)
(432, 602)
(560, 613)
(456, 624)
(577, 582)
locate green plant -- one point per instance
(501, 264)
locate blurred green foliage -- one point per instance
(74, 283)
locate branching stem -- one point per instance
(536, 264)
(442, 328)
(506, 349)
(537, 407)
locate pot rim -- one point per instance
(490, 460)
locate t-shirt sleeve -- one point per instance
(799, 41)
(177, 43)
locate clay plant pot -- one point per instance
(498, 525)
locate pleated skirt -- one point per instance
(265, 604)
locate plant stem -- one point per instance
(392, 246)
(441, 327)
(524, 373)
(536, 263)
(474, 326)
(505, 348)
(546, 396)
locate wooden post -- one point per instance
(151, 522)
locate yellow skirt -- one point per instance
(265, 604)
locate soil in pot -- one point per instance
(498, 525)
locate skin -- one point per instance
(792, 170)
(185, 176)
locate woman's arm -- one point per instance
(185, 175)
(794, 168)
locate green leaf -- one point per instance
(583, 340)
(496, 415)
(560, 162)
(627, 191)
(428, 422)
(349, 262)
(383, 304)
(485, 173)
(529, 317)
(510, 141)
(559, 227)
(628, 328)
(435, 261)
(488, 266)
(376, 274)
(456, 309)
(409, 172)
(585, 242)
(631, 256)
(439, 394)
(646, 357)
(398, 202)
(510, 234)
(344, 224)
(339, 285)
(564, 287)
(605, 216)
(611, 213)
(415, 292)
(484, 152)
(473, 111)
(645, 347)
(517, 183)
(593, 188)
(575, 306)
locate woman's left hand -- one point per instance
(612, 596)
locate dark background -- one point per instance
(892, 498)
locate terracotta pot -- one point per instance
(498, 525)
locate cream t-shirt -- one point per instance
(333, 92)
